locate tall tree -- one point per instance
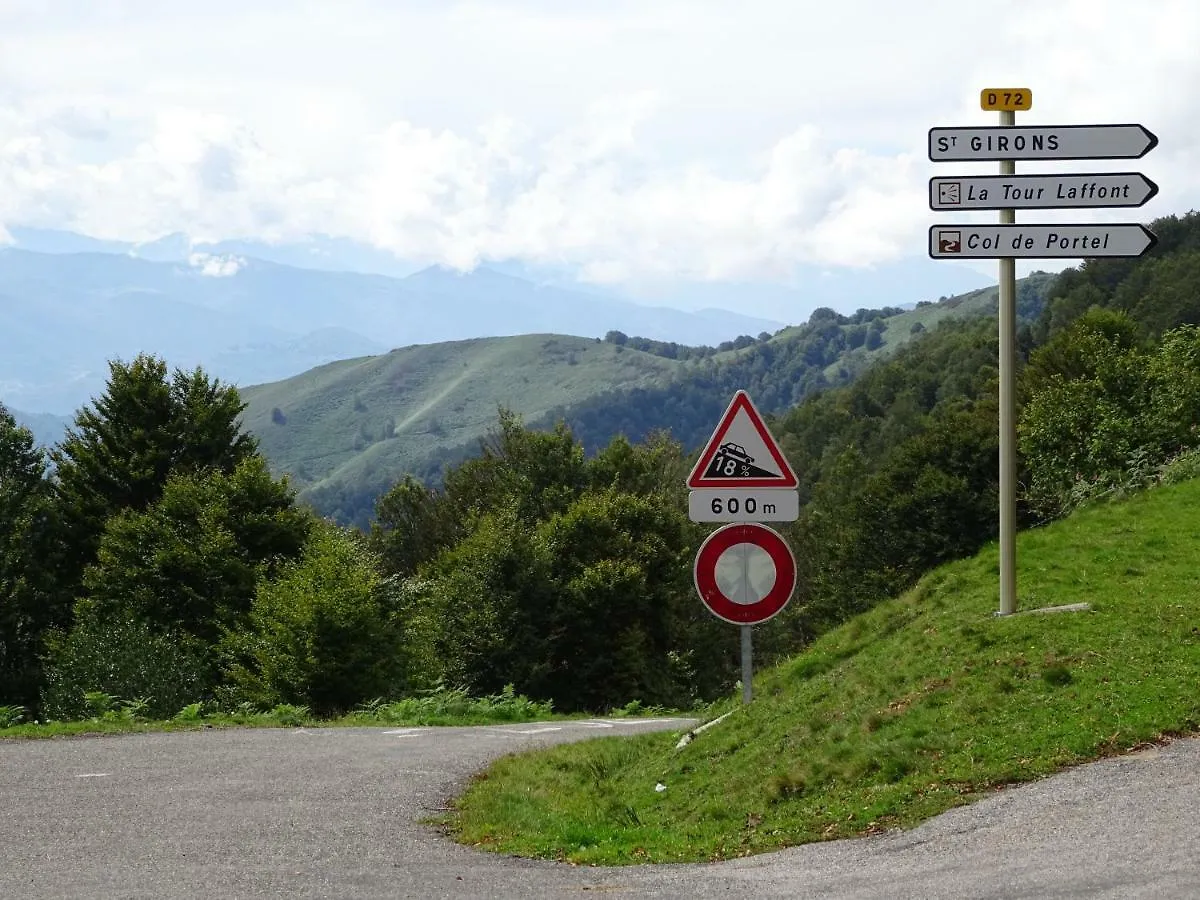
(125, 445)
(192, 558)
(26, 606)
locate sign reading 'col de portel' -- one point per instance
(1038, 241)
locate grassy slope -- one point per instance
(379, 412)
(924, 703)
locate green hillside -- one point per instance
(381, 414)
(923, 703)
(1031, 295)
(348, 430)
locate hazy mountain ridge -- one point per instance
(48, 429)
(64, 315)
(809, 286)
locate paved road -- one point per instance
(333, 813)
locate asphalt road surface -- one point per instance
(335, 812)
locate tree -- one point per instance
(413, 524)
(318, 634)
(127, 658)
(167, 582)
(1076, 351)
(123, 447)
(541, 472)
(28, 606)
(475, 607)
(874, 336)
(620, 617)
(1108, 409)
(1089, 389)
(190, 561)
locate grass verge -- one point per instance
(924, 703)
(439, 706)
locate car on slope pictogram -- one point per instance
(736, 451)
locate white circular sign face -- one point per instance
(745, 573)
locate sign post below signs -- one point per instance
(1007, 315)
(1007, 241)
(744, 572)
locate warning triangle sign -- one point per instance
(742, 453)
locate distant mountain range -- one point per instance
(253, 312)
(64, 315)
(845, 289)
(47, 428)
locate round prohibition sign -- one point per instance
(745, 573)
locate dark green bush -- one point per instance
(319, 634)
(126, 658)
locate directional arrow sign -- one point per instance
(1038, 241)
(1040, 142)
(1041, 191)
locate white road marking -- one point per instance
(93, 775)
(528, 730)
(406, 732)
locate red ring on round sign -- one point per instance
(704, 573)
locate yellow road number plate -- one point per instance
(1006, 99)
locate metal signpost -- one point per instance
(1007, 241)
(744, 572)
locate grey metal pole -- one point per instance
(1008, 415)
(747, 662)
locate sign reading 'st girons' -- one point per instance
(980, 144)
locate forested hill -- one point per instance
(346, 432)
(781, 373)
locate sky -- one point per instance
(632, 140)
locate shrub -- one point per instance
(319, 635)
(123, 657)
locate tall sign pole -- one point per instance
(1007, 103)
(1006, 241)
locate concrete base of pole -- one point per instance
(1066, 607)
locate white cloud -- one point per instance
(216, 266)
(635, 140)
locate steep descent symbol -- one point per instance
(732, 461)
(741, 452)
